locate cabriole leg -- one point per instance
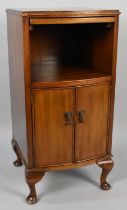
(18, 162)
(31, 179)
(106, 166)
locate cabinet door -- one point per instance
(92, 104)
(53, 126)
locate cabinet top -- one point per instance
(64, 12)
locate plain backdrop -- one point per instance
(72, 189)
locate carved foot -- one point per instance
(18, 162)
(31, 179)
(106, 166)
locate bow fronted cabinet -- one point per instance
(62, 80)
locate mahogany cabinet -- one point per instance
(62, 80)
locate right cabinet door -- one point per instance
(91, 128)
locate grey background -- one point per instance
(72, 189)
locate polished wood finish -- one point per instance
(31, 179)
(64, 12)
(53, 135)
(94, 101)
(17, 81)
(102, 49)
(71, 20)
(97, 78)
(67, 75)
(62, 78)
(106, 166)
(56, 56)
(115, 43)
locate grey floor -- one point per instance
(71, 189)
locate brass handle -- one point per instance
(81, 115)
(68, 117)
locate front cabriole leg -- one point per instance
(32, 177)
(106, 166)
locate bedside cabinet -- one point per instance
(62, 80)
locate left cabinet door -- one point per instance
(53, 126)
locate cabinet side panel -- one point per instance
(115, 43)
(17, 87)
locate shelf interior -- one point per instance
(63, 73)
(71, 51)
